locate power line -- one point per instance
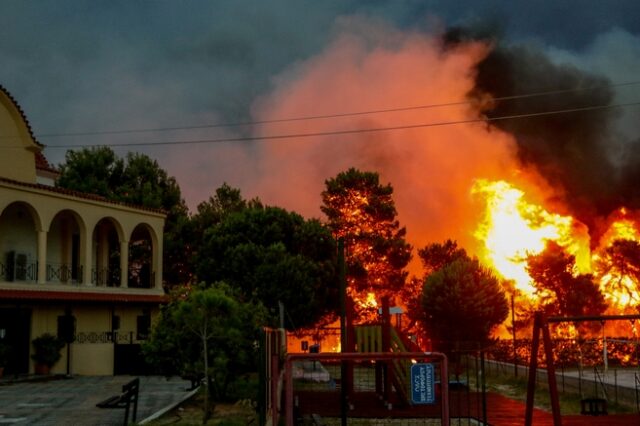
(353, 131)
(328, 116)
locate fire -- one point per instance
(614, 261)
(513, 229)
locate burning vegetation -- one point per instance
(530, 180)
(520, 237)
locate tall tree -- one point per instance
(207, 332)
(225, 201)
(619, 264)
(92, 170)
(560, 292)
(462, 301)
(362, 212)
(137, 180)
(272, 255)
(434, 257)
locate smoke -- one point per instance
(370, 66)
(586, 153)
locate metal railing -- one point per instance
(64, 273)
(21, 272)
(106, 277)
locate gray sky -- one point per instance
(84, 66)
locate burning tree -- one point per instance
(362, 212)
(619, 267)
(560, 291)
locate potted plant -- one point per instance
(4, 356)
(46, 352)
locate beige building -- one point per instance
(67, 254)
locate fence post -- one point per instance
(615, 383)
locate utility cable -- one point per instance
(328, 116)
(349, 131)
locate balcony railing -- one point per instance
(64, 273)
(106, 277)
(140, 276)
(19, 272)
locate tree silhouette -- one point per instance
(362, 212)
(462, 302)
(434, 257)
(619, 264)
(560, 292)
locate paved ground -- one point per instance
(72, 401)
(621, 377)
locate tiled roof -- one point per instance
(43, 164)
(79, 194)
(64, 296)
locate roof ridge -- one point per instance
(79, 194)
(22, 114)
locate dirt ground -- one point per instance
(241, 413)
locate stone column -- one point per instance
(42, 257)
(86, 257)
(124, 263)
(157, 263)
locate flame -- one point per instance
(513, 229)
(619, 286)
(566, 330)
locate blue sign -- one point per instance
(423, 385)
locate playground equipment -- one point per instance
(541, 324)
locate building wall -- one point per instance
(14, 134)
(93, 351)
(55, 228)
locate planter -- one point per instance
(46, 352)
(42, 369)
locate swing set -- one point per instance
(541, 324)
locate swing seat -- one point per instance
(593, 407)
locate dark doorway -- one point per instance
(16, 323)
(129, 360)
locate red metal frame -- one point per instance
(541, 323)
(382, 356)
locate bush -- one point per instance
(46, 349)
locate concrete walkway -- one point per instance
(72, 401)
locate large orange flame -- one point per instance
(513, 229)
(617, 282)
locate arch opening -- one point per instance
(18, 243)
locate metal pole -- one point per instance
(484, 388)
(533, 367)
(551, 375)
(604, 348)
(342, 277)
(68, 359)
(513, 330)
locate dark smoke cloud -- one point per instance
(575, 151)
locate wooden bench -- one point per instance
(128, 396)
